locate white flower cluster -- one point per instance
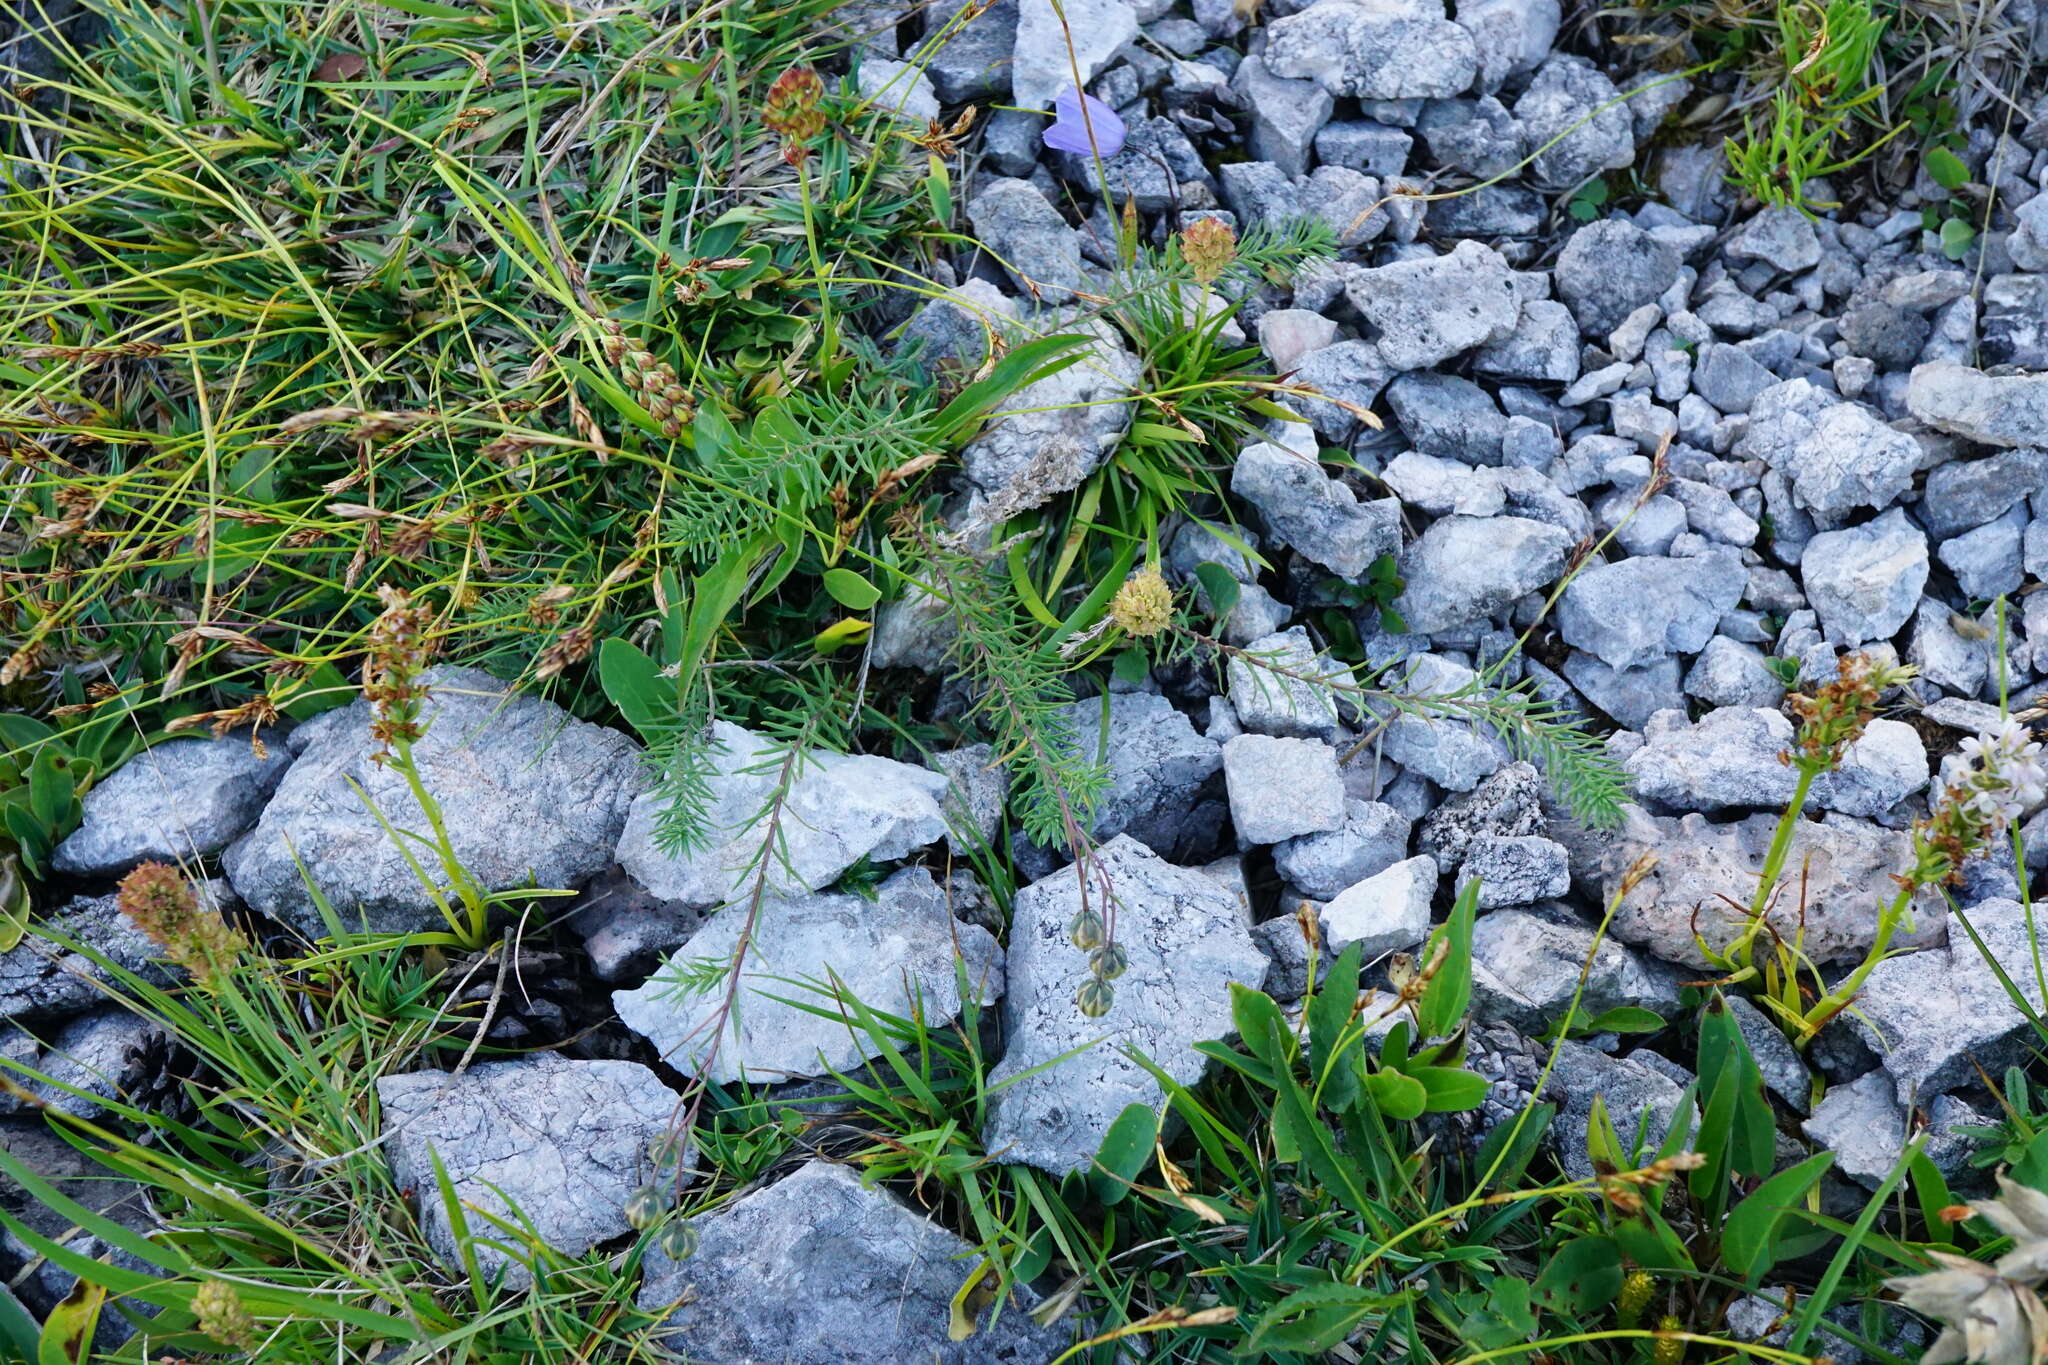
(1998, 778)
(1991, 1314)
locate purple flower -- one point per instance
(1071, 125)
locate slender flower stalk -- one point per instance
(1990, 782)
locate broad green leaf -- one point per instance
(1444, 1000)
(1945, 168)
(1313, 1320)
(1626, 1019)
(1399, 1095)
(67, 1332)
(1341, 1174)
(840, 633)
(1648, 1241)
(1583, 1276)
(1221, 588)
(1503, 1318)
(1131, 667)
(850, 590)
(1125, 1149)
(1956, 236)
(1329, 1011)
(1749, 1236)
(1449, 1089)
(634, 684)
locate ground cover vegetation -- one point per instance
(340, 342)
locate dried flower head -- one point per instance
(652, 379)
(1835, 715)
(221, 1315)
(398, 651)
(791, 110)
(1991, 1314)
(158, 900)
(1208, 246)
(1989, 782)
(1143, 605)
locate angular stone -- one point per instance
(1936, 1017)
(956, 330)
(1864, 582)
(1728, 760)
(1526, 966)
(1987, 562)
(1034, 245)
(1055, 432)
(1286, 114)
(1730, 673)
(2014, 329)
(1784, 1071)
(557, 1143)
(1842, 867)
(1314, 514)
(1999, 410)
(1437, 742)
(1349, 372)
(894, 954)
(1387, 911)
(1465, 570)
(1575, 115)
(1543, 347)
(1966, 493)
(1288, 334)
(1373, 837)
(1609, 269)
(1186, 942)
(1838, 456)
(1159, 768)
(839, 808)
(973, 62)
(1373, 52)
(1053, 42)
(1780, 237)
(1638, 610)
(1639, 1099)
(1629, 695)
(1427, 484)
(1448, 417)
(1282, 788)
(1427, 311)
(183, 800)
(1513, 36)
(899, 87)
(1282, 699)
(1863, 1125)
(977, 786)
(1157, 167)
(528, 796)
(1515, 870)
(1365, 146)
(819, 1269)
(1729, 377)
(1506, 805)
(105, 1054)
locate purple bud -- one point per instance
(1075, 116)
